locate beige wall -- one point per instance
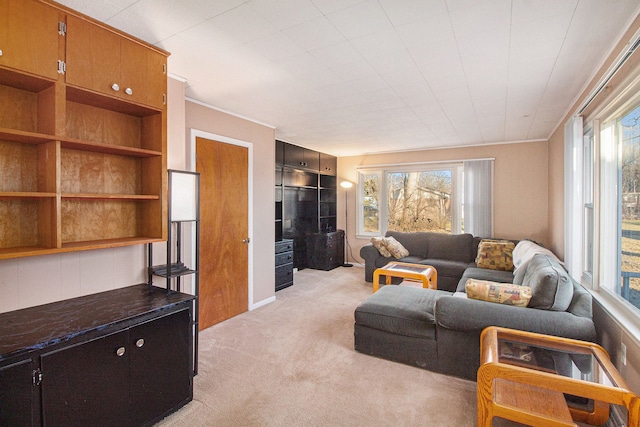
(520, 186)
(262, 138)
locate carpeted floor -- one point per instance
(292, 363)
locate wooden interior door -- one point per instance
(224, 228)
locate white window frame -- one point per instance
(455, 167)
(606, 269)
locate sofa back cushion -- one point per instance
(551, 286)
(415, 242)
(454, 247)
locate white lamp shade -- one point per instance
(346, 184)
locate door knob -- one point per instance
(246, 241)
(120, 351)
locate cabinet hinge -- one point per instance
(36, 376)
(62, 67)
(164, 68)
(62, 28)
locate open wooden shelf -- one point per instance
(81, 166)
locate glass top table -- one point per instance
(426, 274)
(535, 378)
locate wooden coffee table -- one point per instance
(418, 272)
(525, 377)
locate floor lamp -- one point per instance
(346, 185)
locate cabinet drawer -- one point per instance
(284, 274)
(284, 246)
(284, 258)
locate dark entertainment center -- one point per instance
(306, 210)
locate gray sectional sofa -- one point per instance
(440, 330)
(450, 254)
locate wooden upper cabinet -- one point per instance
(102, 60)
(29, 37)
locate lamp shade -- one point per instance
(346, 184)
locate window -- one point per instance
(620, 211)
(410, 199)
(588, 223)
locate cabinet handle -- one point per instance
(128, 91)
(140, 343)
(115, 87)
(0, 52)
(121, 351)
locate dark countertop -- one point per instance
(44, 325)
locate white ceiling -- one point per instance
(351, 77)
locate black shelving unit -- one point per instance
(184, 210)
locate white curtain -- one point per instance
(478, 197)
(573, 141)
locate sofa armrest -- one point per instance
(369, 252)
(470, 315)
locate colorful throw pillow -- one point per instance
(495, 254)
(501, 293)
(395, 248)
(378, 243)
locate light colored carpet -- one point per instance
(292, 363)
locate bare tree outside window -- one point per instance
(419, 201)
(371, 203)
(629, 287)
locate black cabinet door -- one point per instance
(16, 400)
(328, 164)
(300, 157)
(293, 156)
(160, 366)
(87, 384)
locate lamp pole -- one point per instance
(346, 185)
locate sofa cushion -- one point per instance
(551, 286)
(485, 274)
(495, 254)
(395, 248)
(378, 243)
(446, 268)
(454, 247)
(415, 242)
(401, 310)
(525, 251)
(502, 293)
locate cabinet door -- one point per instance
(160, 366)
(93, 56)
(29, 37)
(311, 159)
(143, 76)
(87, 384)
(328, 164)
(16, 404)
(293, 156)
(106, 62)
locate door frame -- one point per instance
(191, 165)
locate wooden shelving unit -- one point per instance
(82, 165)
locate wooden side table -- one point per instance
(418, 272)
(524, 377)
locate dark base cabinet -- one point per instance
(121, 357)
(325, 251)
(16, 400)
(284, 264)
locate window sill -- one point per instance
(624, 316)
